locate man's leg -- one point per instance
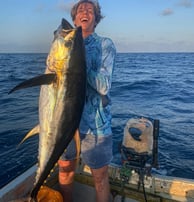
(97, 154)
(101, 182)
(66, 177)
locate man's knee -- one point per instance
(100, 177)
(66, 171)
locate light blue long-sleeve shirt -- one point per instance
(100, 59)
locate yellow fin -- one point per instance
(78, 144)
(32, 132)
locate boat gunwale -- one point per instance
(155, 185)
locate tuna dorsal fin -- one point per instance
(33, 131)
(36, 81)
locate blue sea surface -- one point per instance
(155, 85)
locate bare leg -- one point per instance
(101, 182)
(66, 176)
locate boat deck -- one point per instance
(87, 193)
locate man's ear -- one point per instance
(74, 24)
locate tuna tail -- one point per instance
(63, 28)
(36, 81)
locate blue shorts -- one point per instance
(96, 151)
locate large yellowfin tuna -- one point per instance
(62, 98)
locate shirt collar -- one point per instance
(90, 38)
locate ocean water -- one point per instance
(155, 85)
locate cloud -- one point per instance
(64, 7)
(182, 3)
(185, 3)
(167, 11)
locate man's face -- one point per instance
(85, 17)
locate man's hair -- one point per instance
(97, 9)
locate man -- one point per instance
(95, 127)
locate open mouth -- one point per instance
(84, 20)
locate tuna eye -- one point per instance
(68, 43)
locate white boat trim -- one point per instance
(16, 187)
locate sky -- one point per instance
(26, 26)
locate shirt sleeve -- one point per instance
(101, 80)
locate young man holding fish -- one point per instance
(95, 127)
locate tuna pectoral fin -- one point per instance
(32, 132)
(36, 81)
